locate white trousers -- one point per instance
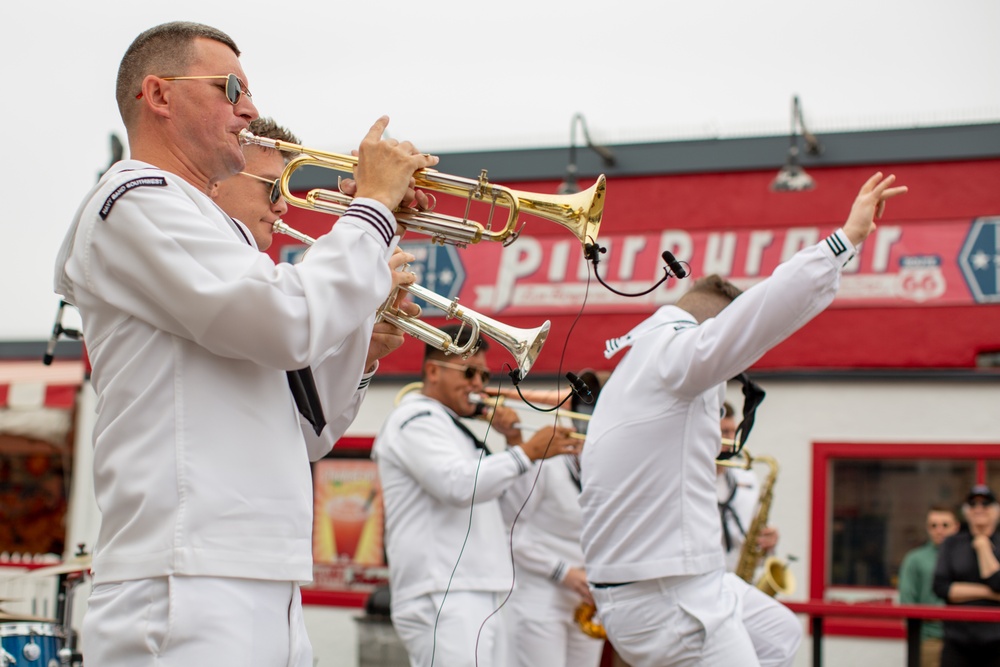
(543, 633)
(773, 628)
(461, 638)
(696, 621)
(181, 621)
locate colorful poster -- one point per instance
(347, 525)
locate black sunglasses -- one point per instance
(275, 188)
(234, 87)
(469, 371)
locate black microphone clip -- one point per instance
(57, 331)
(580, 388)
(592, 252)
(676, 267)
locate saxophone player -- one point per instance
(738, 492)
(651, 535)
(773, 630)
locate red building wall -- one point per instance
(935, 217)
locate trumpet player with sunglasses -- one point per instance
(253, 200)
(201, 350)
(449, 562)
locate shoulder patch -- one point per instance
(157, 181)
(425, 413)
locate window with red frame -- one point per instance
(870, 504)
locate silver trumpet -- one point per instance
(523, 344)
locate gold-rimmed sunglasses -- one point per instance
(234, 87)
(469, 371)
(275, 192)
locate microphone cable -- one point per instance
(515, 378)
(673, 269)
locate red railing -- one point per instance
(912, 614)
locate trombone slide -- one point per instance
(488, 401)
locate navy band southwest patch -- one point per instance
(157, 181)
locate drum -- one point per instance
(28, 644)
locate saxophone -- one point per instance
(776, 578)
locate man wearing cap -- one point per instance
(916, 578)
(968, 574)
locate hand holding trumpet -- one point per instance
(550, 441)
(544, 443)
(385, 170)
(387, 337)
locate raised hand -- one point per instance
(869, 206)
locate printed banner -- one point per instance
(934, 263)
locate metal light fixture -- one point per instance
(569, 184)
(792, 177)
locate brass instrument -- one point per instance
(487, 403)
(478, 400)
(776, 578)
(407, 389)
(584, 617)
(493, 398)
(523, 344)
(580, 213)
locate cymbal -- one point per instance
(74, 564)
(6, 616)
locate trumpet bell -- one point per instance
(523, 344)
(580, 213)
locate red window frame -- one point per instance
(824, 453)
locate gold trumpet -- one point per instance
(523, 344)
(580, 213)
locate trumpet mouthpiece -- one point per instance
(247, 137)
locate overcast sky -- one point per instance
(481, 75)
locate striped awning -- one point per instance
(26, 385)
(36, 400)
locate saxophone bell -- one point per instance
(777, 578)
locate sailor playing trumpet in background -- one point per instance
(448, 557)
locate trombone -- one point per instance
(485, 405)
(580, 213)
(524, 344)
(487, 402)
(493, 398)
